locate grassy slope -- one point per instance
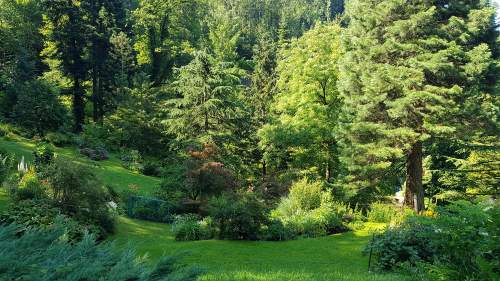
(110, 171)
(336, 258)
(333, 258)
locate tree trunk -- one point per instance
(414, 194)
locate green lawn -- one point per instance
(109, 171)
(333, 258)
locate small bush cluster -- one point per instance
(59, 139)
(237, 216)
(384, 213)
(150, 209)
(64, 186)
(459, 243)
(309, 211)
(97, 154)
(190, 227)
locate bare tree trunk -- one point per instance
(414, 195)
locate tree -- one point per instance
(307, 104)
(166, 33)
(206, 106)
(65, 31)
(38, 107)
(406, 72)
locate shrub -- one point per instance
(37, 107)
(237, 216)
(453, 243)
(380, 212)
(77, 192)
(152, 168)
(29, 187)
(42, 214)
(47, 255)
(42, 155)
(150, 209)
(189, 228)
(132, 160)
(97, 154)
(275, 230)
(309, 211)
(59, 139)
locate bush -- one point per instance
(43, 156)
(454, 243)
(38, 108)
(309, 211)
(47, 255)
(275, 230)
(97, 154)
(237, 216)
(190, 228)
(59, 139)
(132, 160)
(29, 187)
(77, 192)
(42, 214)
(152, 168)
(380, 212)
(150, 209)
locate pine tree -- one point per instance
(65, 32)
(406, 74)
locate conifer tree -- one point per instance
(409, 68)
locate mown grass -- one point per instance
(110, 171)
(336, 257)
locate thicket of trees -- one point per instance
(366, 96)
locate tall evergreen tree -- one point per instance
(65, 30)
(408, 70)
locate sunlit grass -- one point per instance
(109, 171)
(336, 257)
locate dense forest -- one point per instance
(257, 120)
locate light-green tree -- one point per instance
(307, 104)
(407, 72)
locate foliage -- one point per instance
(97, 154)
(308, 210)
(76, 191)
(59, 139)
(6, 165)
(132, 160)
(25, 258)
(380, 212)
(28, 187)
(407, 78)
(190, 227)
(301, 134)
(150, 209)
(275, 230)
(43, 155)
(455, 241)
(205, 176)
(38, 108)
(41, 214)
(237, 216)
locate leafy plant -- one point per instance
(237, 216)
(189, 227)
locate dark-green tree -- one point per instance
(66, 50)
(407, 72)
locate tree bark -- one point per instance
(414, 194)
